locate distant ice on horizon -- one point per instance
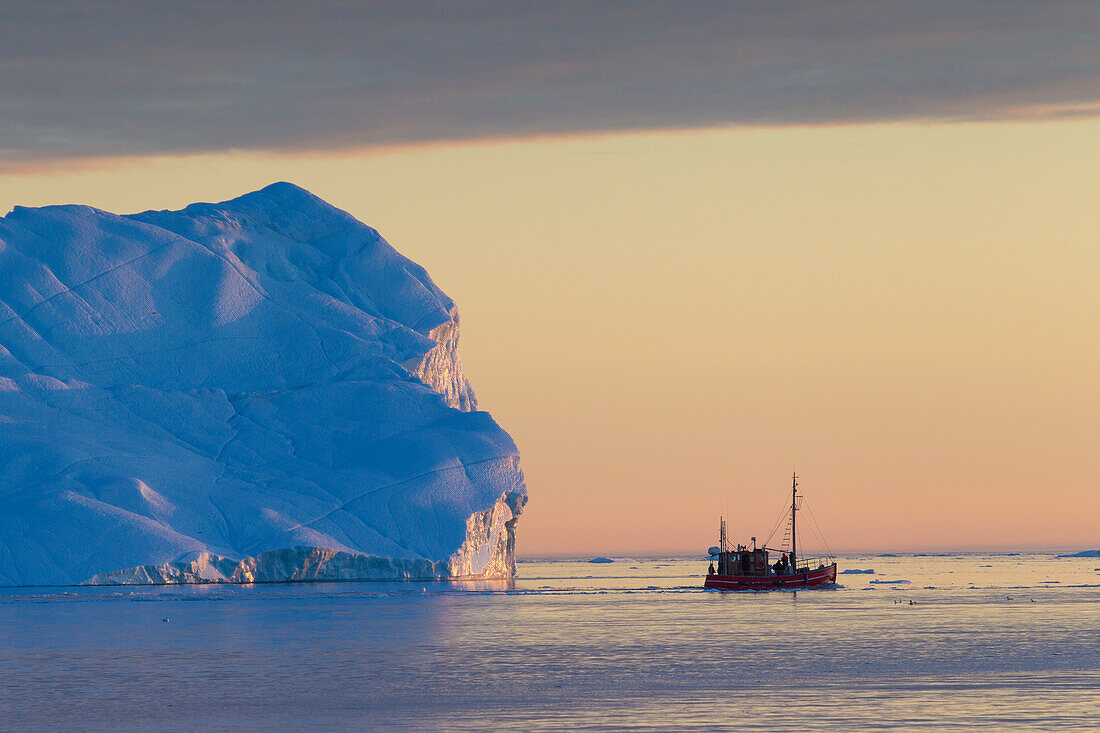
(261, 389)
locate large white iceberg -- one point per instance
(257, 390)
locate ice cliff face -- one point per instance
(257, 390)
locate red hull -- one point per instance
(813, 578)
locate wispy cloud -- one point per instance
(82, 78)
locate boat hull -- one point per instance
(809, 579)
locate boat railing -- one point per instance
(809, 564)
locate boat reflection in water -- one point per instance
(744, 568)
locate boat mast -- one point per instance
(722, 546)
(794, 510)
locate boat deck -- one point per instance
(806, 579)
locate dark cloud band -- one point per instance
(120, 78)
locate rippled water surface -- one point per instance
(990, 642)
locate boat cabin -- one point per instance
(752, 563)
(743, 561)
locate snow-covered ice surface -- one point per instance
(568, 645)
(257, 390)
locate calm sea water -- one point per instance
(993, 642)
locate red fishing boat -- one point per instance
(742, 568)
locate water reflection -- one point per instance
(569, 645)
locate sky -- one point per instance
(695, 246)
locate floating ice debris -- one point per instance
(1083, 553)
(601, 560)
(857, 571)
(890, 582)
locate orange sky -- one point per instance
(669, 322)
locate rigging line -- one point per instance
(824, 542)
(775, 527)
(817, 536)
(778, 523)
(814, 533)
(820, 533)
(771, 534)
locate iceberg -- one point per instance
(259, 390)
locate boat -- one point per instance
(742, 568)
